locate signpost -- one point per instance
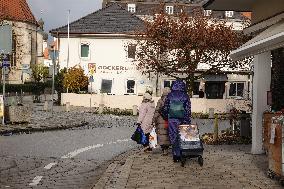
(53, 54)
(5, 64)
(91, 80)
(2, 109)
(92, 71)
(5, 50)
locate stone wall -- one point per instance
(27, 43)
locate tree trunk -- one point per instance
(190, 84)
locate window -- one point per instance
(168, 83)
(207, 12)
(229, 14)
(236, 89)
(196, 88)
(84, 50)
(106, 86)
(214, 90)
(131, 51)
(131, 8)
(170, 9)
(130, 86)
(14, 50)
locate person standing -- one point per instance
(177, 109)
(161, 124)
(145, 118)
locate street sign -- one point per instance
(6, 63)
(91, 79)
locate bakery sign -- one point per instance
(115, 69)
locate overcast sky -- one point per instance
(55, 12)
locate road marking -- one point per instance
(123, 140)
(50, 165)
(76, 152)
(35, 181)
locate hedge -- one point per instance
(31, 87)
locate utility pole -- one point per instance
(54, 55)
(68, 41)
(5, 50)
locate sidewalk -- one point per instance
(226, 166)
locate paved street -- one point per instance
(60, 159)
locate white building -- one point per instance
(100, 44)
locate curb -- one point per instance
(121, 179)
(11, 131)
(117, 173)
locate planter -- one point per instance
(18, 114)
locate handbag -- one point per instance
(138, 136)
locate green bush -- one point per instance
(30, 87)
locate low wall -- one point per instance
(128, 101)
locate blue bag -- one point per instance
(139, 136)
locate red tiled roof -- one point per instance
(17, 10)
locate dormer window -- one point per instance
(170, 9)
(229, 14)
(207, 12)
(131, 8)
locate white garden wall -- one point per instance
(128, 101)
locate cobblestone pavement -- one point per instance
(60, 119)
(224, 167)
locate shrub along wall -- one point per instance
(31, 87)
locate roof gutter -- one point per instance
(54, 33)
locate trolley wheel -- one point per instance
(282, 182)
(182, 160)
(270, 174)
(200, 160)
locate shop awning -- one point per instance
(218, 77)
(270, 39)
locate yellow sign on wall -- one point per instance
(92, 69)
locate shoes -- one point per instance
(147, 149)
(165, 152)
(176, 159)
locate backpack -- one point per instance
(176, 109)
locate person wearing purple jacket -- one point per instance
(177, 109)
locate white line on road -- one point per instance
(50, 165)
(123, 140)
(76, 152)
(35, 181)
